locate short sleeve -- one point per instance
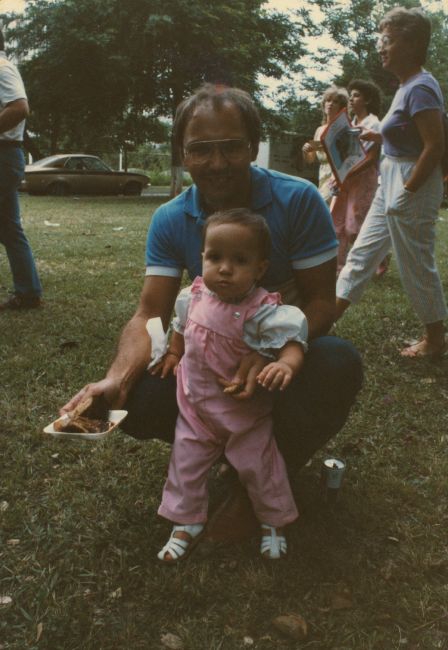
(11, 84)
(272, 326)
(181, 310)
(161, 253)
(423, 98)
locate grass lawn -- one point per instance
(78, 526)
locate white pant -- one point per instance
(406, 221)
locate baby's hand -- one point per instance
(276, 375)
(166, 366)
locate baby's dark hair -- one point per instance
(244, 217)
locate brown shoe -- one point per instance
(22, 301)
(234, 519)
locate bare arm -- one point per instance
(134, 348)
(430, 128)
(278, 374)
(317, 288)
(13, 114)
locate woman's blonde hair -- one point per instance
(340, 94)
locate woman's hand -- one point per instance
(276, 375)
(307, 148)
(245, 379)
(370, 136)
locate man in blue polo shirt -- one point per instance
(217, 133)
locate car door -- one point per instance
(102, 180)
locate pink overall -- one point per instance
(211, 421)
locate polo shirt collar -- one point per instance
(261, 194)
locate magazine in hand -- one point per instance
(342, 146)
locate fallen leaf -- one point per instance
(116, 594)
(172, 641)
(5, 600)
(39, 630)
(248, 641)
(4, 505)
(292, 625)
(12, 542)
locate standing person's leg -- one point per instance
(316, 404)
(413, 234)
(195, 450)
(27, 286)
(185, 495)
(371, 246)
(261, 469)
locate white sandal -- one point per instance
(273, 546)
(179, 549)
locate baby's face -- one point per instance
(231, 262)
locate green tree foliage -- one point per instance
(103, 72)
(354, 26)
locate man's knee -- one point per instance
(152, 408)
(334, 365)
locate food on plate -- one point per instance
(90, 416)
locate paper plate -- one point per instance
(114, 417)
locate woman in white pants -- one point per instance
(404, 211)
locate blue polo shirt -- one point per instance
(301, 229)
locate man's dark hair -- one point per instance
(413, 26)
(243, 217)
(2, 41)
(218, 96)
(370, 92)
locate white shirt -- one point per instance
(11, 89)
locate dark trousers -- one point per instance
(309, 412)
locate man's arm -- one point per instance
(13, 114)
(134, 348)
(317, 287)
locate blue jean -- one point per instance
(23, 268)
(307, 414)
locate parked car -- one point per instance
(79, 174)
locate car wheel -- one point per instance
(132, 189)
(59, 189)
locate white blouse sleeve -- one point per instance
(181, 310)
(273, 326)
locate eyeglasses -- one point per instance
(233, 150)
(383, 41)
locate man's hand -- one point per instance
(276, 375)
(246, 376)
(108, 387)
